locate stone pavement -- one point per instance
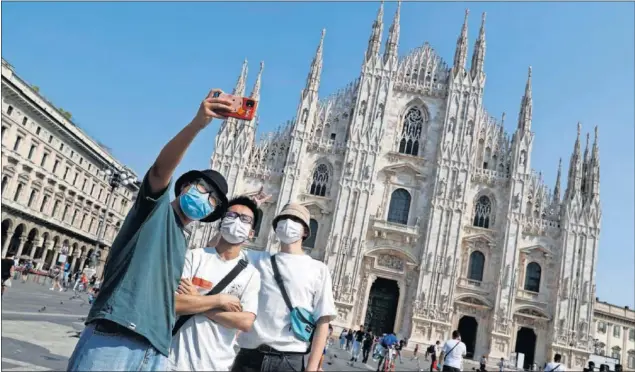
(39, 327)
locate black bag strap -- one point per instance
(554, 368)
(278, 278)
(218, 288)
(449, 352)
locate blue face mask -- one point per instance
(195, 205)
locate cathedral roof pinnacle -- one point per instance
(255, 93)
(239, 90)
(460, 55)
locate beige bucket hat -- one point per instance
(299, 212)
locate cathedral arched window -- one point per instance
(476, 266)
(482, 212)
(399, 207)
(320, 180)
(310, 241)
(411, 132)
(532, 277)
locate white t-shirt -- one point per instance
(454, 358)
(308, 284)
(202, 344)
(554, 367)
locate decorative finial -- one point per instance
(529, 73)
(579, 128)
(560, 163)
(596, 133)
(323, 33)
(483, 17)
(503, 118)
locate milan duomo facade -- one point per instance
(427, 213)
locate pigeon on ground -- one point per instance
(42, 309)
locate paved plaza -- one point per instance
(40, 328)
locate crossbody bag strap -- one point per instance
(554, 368)
(446, 355)
(278, 278)
(218, 288)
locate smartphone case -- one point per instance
(243, 108)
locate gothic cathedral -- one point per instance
(426, 211)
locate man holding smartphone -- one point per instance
(129, 327)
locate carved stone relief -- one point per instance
(391, 262)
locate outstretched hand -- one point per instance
(212, 108)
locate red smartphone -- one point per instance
(243, 108)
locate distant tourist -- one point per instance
(434, 351)
(415, 352)
(453, 352)
(358, 338)
(483, 363)
(501, 365)
(367, 345)
(343, 338)
(8, 265)
(556, 365)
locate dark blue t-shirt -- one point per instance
(143, 270)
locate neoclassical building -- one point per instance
(57, 198)
(426, 211)
(615, 333)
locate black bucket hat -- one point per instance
(216, 180)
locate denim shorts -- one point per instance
(104, 346)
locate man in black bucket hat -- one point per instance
(129, 326)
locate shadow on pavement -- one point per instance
(32, 354)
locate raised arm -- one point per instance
(172, 154)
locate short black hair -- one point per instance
(557, 358)
(456, 334)
(249, 203)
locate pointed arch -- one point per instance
(414, 121)
(321, 177)
(483, 215)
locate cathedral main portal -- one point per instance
(382, 306)
(526, 344)
(468, 326)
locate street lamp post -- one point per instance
(116, 178)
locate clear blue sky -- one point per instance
(133, 74)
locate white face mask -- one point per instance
(289, 231)
(234, 231)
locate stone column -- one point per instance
(74, 264)
(101, 263)
(7, 242)
(34, 245)
(624, 353)
(48, 249)
(81, 263)
(20, 246)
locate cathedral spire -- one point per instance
(239, 90)
(393, 37)
(313, 80)
(478, 56)
(594, 168)
(556, 189)
(526, 106)
(255, 93)
(374, 43)
(460, 55)
(574, 181)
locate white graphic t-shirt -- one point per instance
(202, 344)
(308, 284)
(554, 367)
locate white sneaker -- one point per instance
(51, 289)
(61, 289)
